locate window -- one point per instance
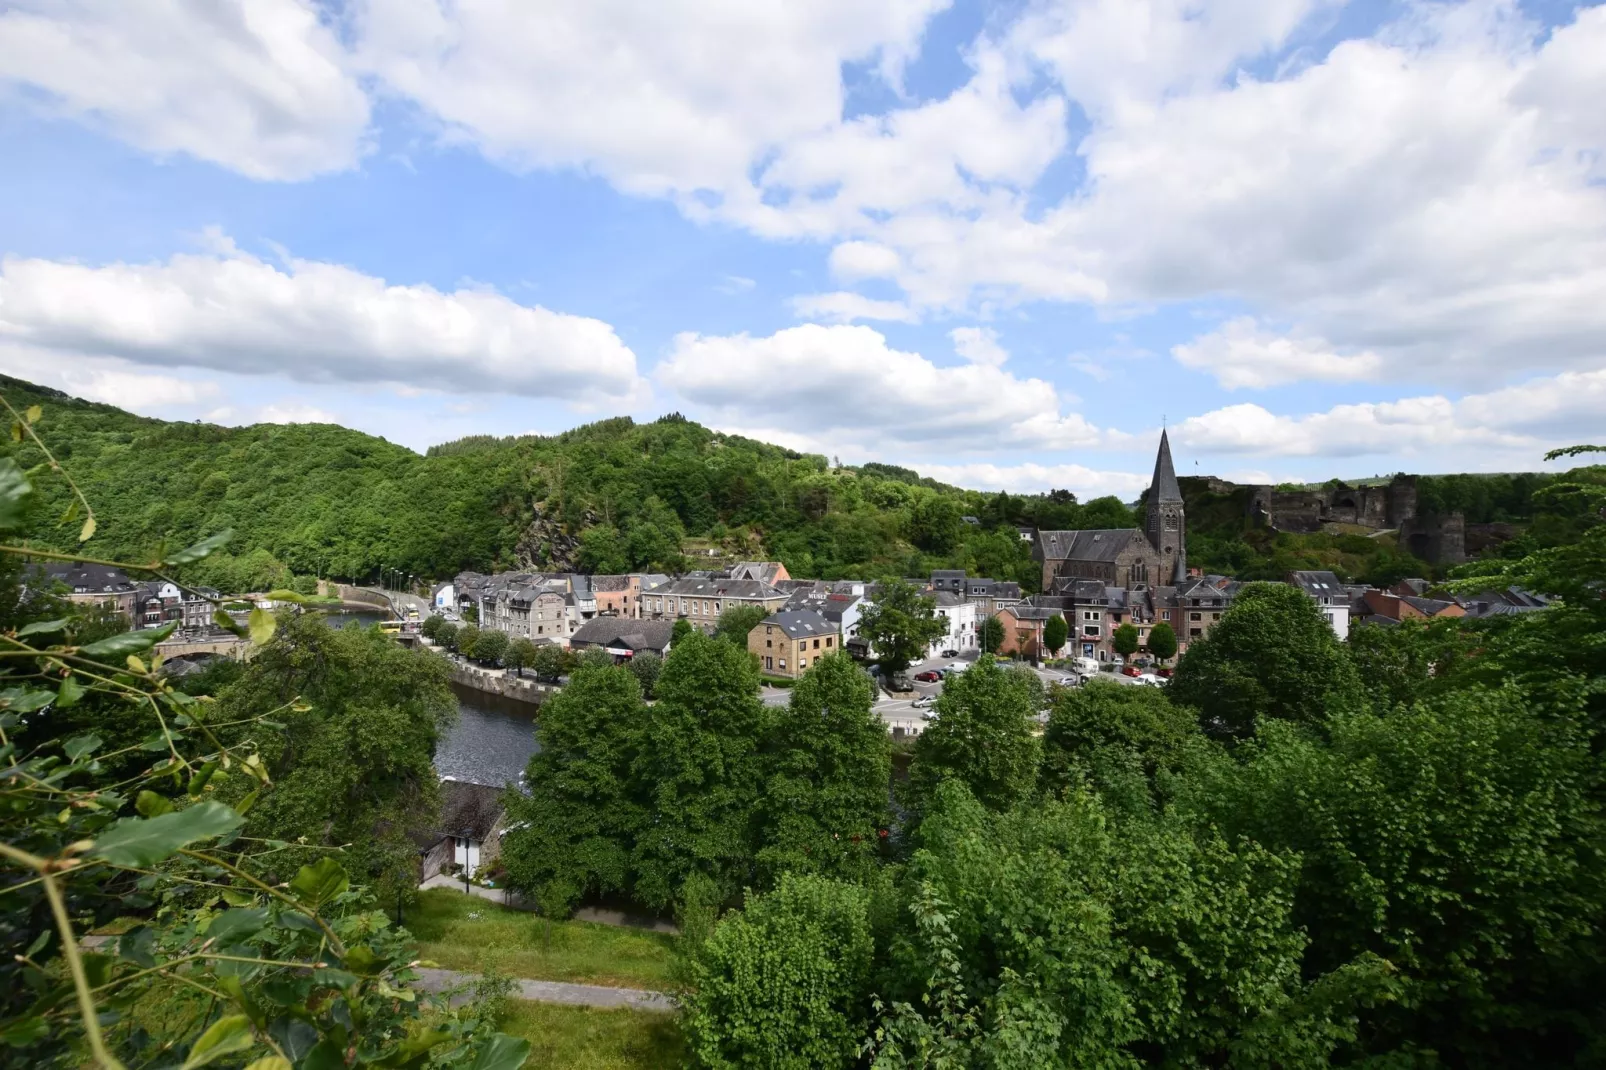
(1090, 629)
(828, 642)
(769, 642)
(1194, 633)
(816, 644)
(802, 663)
(769, 663)
(1090, 614)
(1196, 616)
(783, 663)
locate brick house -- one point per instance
(788, 642)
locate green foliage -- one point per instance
(991, 635)
(351, 763)
(900, 625)
(490, 646)
(1125, 639)
(547, 663)
(1052, 935)
(828, 766)
(573, 828)
(982, 737)
(681, 629)
(646, 667)
(1055, 633)
(1461, 840)
(468, 640)
(1097, 730)
(784, 983)
(520, 655)
(1272, 655)
(700, 771)
(737, 621)
(1162, 641)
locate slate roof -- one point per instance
(1027, 612)
(1164, 485)
(1428, 607)
(1094, 544)
(1319, 583)
(801, 623)
(82, 577)
(469, 809)
(1078, 591)
(719, 587)
(610, 583)
(651, 635)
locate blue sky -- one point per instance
(1001, 243)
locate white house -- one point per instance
(961, 617)
(1330, 596)
(445, 597)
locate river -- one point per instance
(493, 738)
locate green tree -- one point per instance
(520, 655)
(1272, 655)
(934, 524)
(737, 621)
(572, 829)
(900, 625)
(490, 646)
(431, 628)
(700, 773)
(991, 635)
(446, 635)
(784, 983)
(646, 667)
(829, 763)
(1459, 838)
(468, 640)
(352, 764)
(682, 628)
(1098, 730)
(1055, 633)
(1125, 639)
(1059, 934)
(547, 662)
(1162, 642)
(982, 737)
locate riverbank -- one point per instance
(499, 682)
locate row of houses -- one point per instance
(144, 604)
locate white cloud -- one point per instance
(295, 413)
(979, 345)
(731, 285)
(845, 384)
(1241, 353)
(1520, 422)
(260, 87)
(1026, 478)
(114, 382)
(845, 307)
(855, 260)
(664, 98)
(310, 321)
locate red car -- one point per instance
(1131, 670)
(1164, 672)
(928, 677)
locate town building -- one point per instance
(469, 835)
(701, 599)
(960, 616)
(624, 637)
(1329, 594)
(788, 642)
(85, 584)
(770, 572)
(1124, 557)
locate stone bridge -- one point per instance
(227, 646)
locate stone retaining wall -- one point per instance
(524, 690)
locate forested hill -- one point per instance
(318, 499)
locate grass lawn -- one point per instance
(514, 943)
(584, 1038)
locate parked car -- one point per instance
(930, 676)
(950, 653)
(925, 702)
(1149, 679)
(928, 715)
(1085, 666)
(1131, 670)
(1163, 672)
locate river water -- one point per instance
(493, 738)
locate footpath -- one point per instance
(602, 996)
(506, 897)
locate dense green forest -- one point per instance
(316, 499)
(321, 500)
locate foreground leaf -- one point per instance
(502, 1052)
(225, 1037)
(120, 646)
(15, 490)
(146, 841)
(42, 627)
(316, 884)
(200, 549)
(261, 625)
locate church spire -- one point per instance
(1164, 486)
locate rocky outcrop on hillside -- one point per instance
(548, 545)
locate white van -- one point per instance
(1085, 666)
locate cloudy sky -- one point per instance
(1000, 242)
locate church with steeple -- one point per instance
(1124, 557)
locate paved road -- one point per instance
(436, 980)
